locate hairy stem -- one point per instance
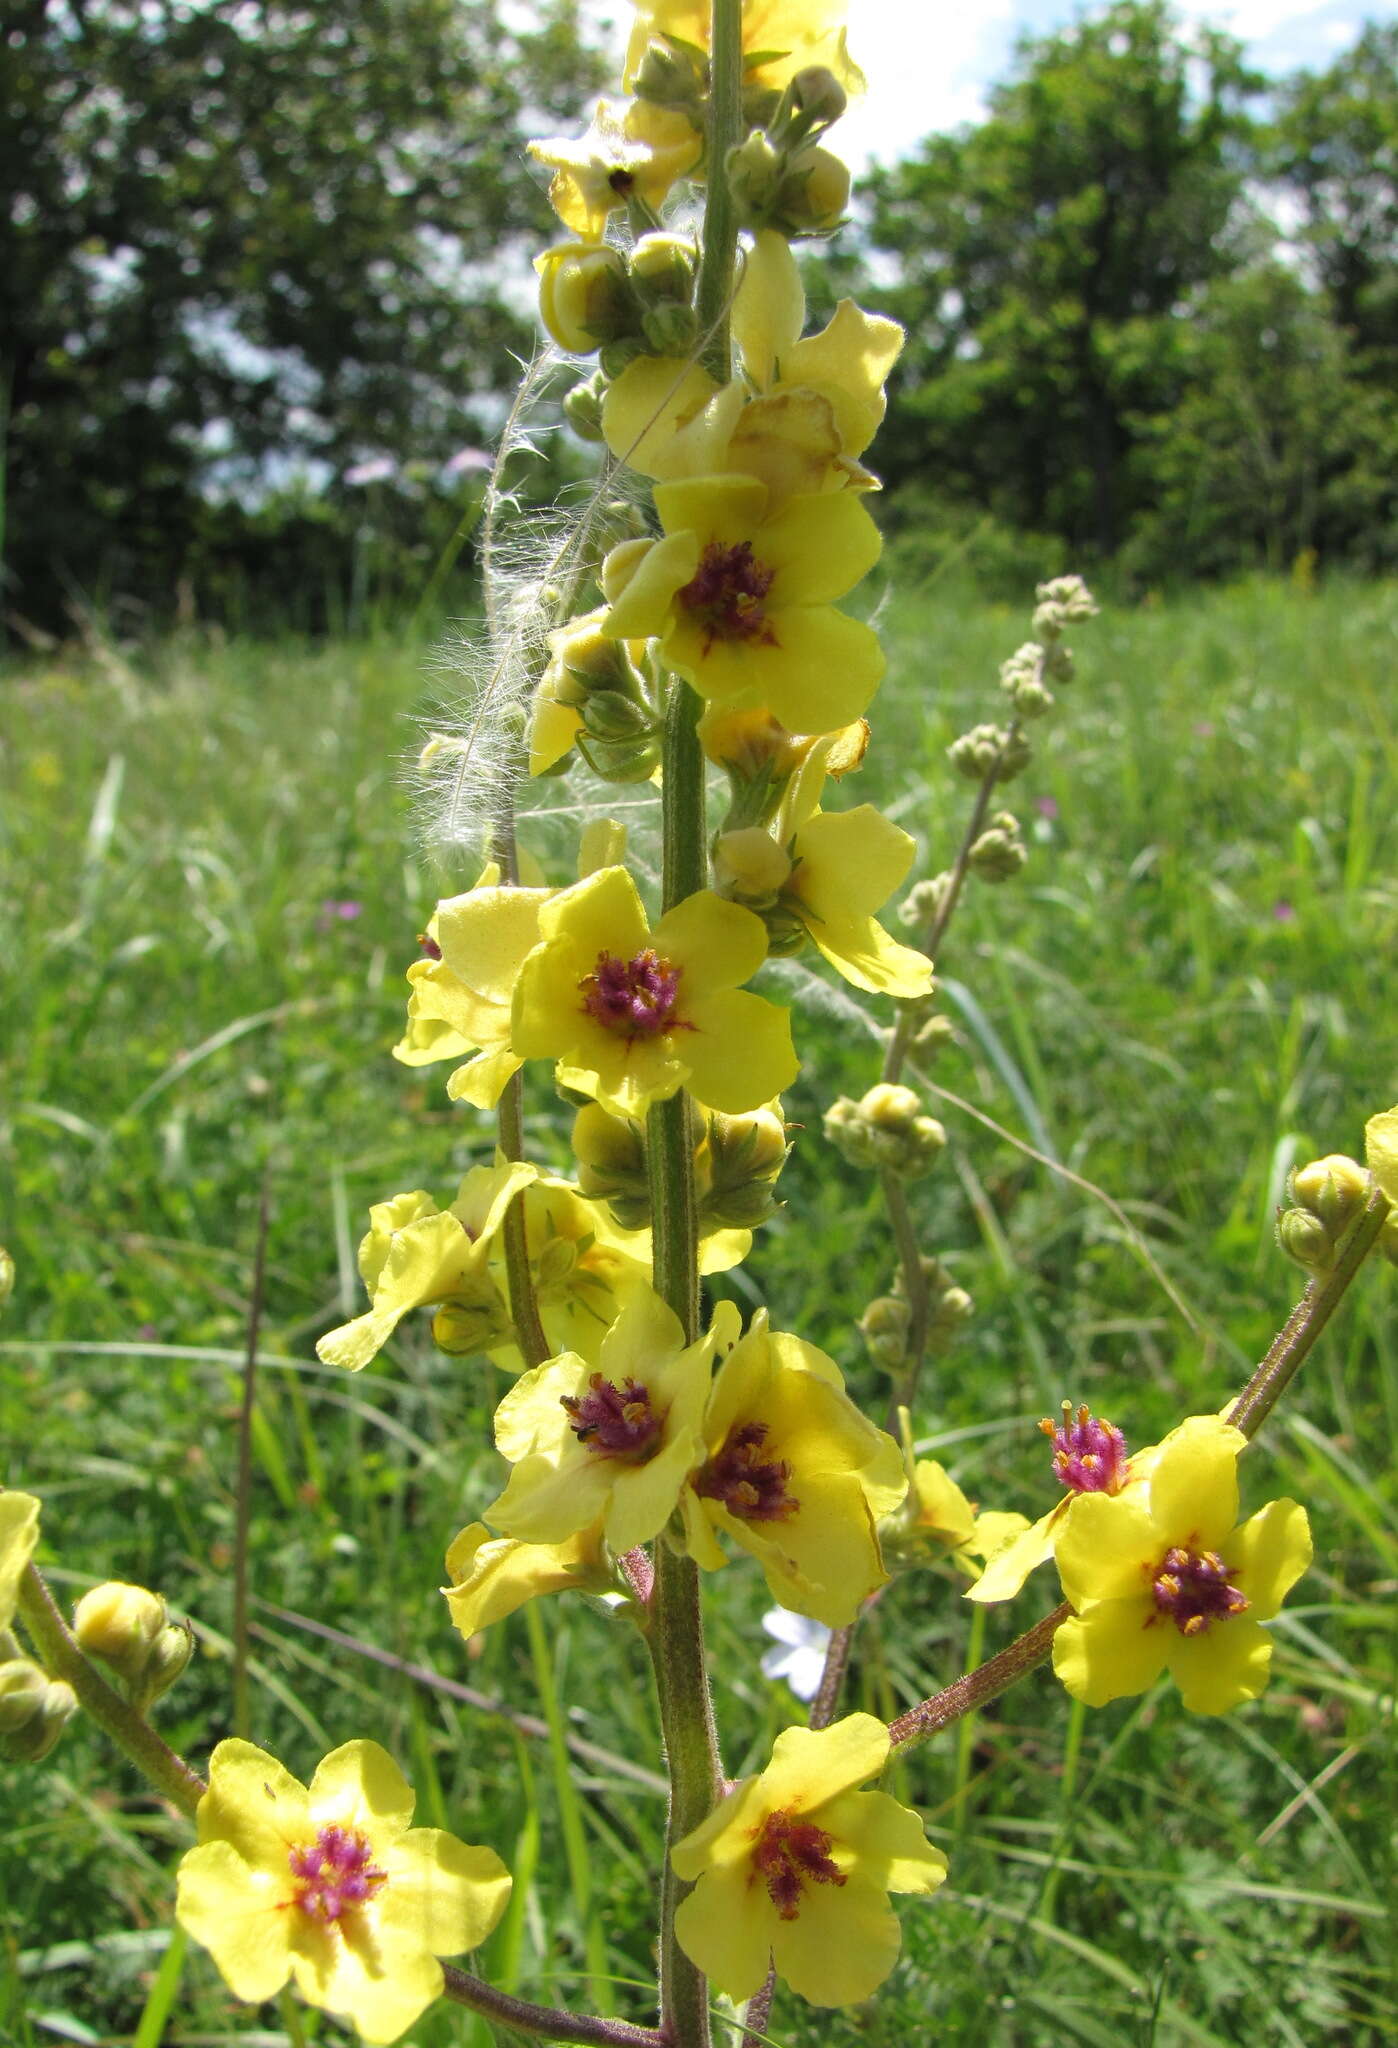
(132, 1734)
(720, 215)
(978, 1688)
(543, 2021)
(1292, 1344)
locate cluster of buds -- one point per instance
(1026, 675)
(998, 854)
(990, 753)
(130, 1631)
(737, 1160)
(34, 1708)
(596, 299)
(887, 1130)
(592, 695)
(1326, 1196)
(885, 1322)
(779, 176)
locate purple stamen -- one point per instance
(1191, 1587)
(725, 595)
(751, 1487)
(790, 1854)
(1089, 1456)
(334, 1874)
(612, 1421)
(634, 998)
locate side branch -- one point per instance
(544, 2022)
(974, 1691)
(130, 1731)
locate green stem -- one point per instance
(915, 1292)
(242, 1518)
(720, 214)
(1292, 1343)
(133, 1735)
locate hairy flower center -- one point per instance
(1191, 1587)
(790, 1854)
(750, 1486)
(725, 595)
(614, 1422)
(634, 998)
(1088, 1456)
(334, 1874)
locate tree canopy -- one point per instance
(242, 233)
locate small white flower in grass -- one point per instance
(799, 1655)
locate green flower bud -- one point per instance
(884, 1328)
(49, 1710)
(462, 1328)
(741, 1157)
(671, 74)
(609, 715)
(750, 866)
(817, 96)
(582, 408)
(1333, 1189)
(1058, 662)
(1305, 1239)
(611, 1156)
(584, 297)
(22, 1688)
(613, 356)
(1068, 597)
(755, 170)
(119, 1624)
(922, 905)
(999, 854)
(663, 269)
(886, 1130)
(990, 750)
(622, 761)
(670, 330)
(951, 1308)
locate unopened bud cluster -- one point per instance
(34, 1708)
(737, 1160)
(130, 1630)
(886, 1130)
(1326, 1196)
(885, 1323)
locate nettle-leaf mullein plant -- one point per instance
(672, 653)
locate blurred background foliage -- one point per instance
(267, 282)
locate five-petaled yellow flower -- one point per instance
(796, 1474)
(1165, 1581)
(612, 1445)
(796, 1866)
(330, 1886)
(632, 1015)
(493, 1575)
(741, 596)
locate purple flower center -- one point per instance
(750, 1486)
(1191, 1587)
(634, 998)
(1088, 1456)
(334, 1874)
(725, 595)
(614, 1422)
(790, 1854)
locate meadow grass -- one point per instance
(1192, 987)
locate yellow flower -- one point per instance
(493, 1575)
(331, 1888)
(741, 599)
(583, 1266)
(613, 1445)
(796, 1866)
(794, 1473)
(845, 365)
(415, 1253)
(787, 35)
(583, 661)
(19, 1532)
(943, 1517)
(1166, 1582)
(636, 152)
(633, 1015)
(461, 994)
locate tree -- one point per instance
(241, 237)
(1046, 255)
(1336, 149)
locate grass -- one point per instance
(1192, 987)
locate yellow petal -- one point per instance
(1009, 1567)
(442, 1895)
(1268, 1555)
(1117, 1648)
(1381, 1151)
(381, 1983)
(239, 1916)
(715, 943)
(848, 361)
(769, 310)
(493, 1575)
(887, 1840)
(739, 1052)
(360, 1786)
(1101, 1546)
(646, 410)
(819, 548)
(811, 1765)
(841, 1945)
(727, 1931)
(1194, 1483)
(19, 1532)
(254, 1804)
(1228, 1663)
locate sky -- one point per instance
(930, 64)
